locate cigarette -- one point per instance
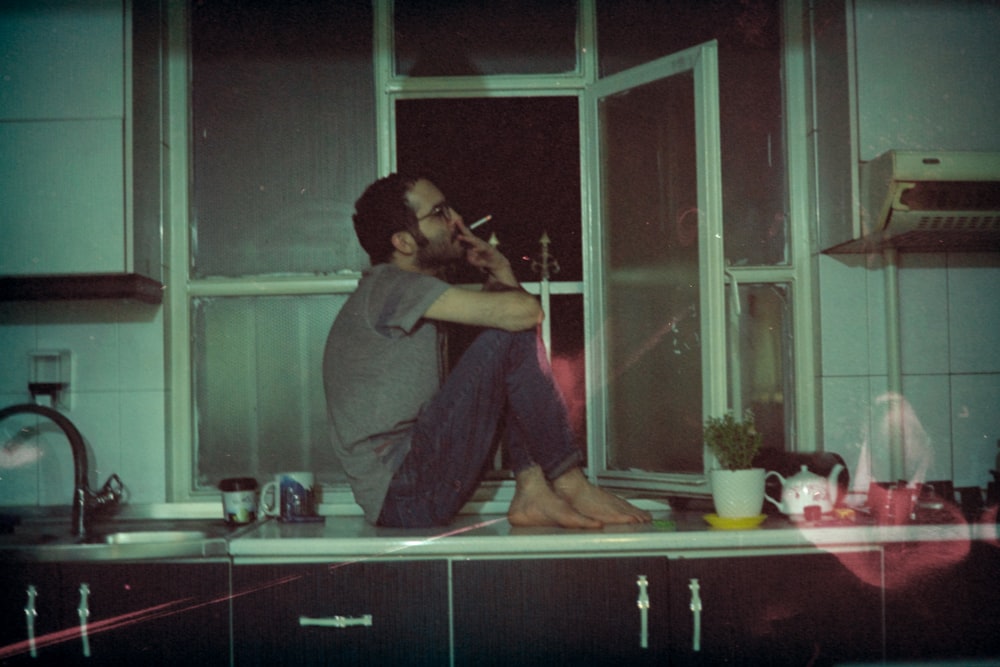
(480, 222)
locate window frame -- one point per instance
(182, 289)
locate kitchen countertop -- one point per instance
(487, 535)
(493, 536)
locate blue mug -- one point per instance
(290, 497)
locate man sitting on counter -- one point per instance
(414, 439)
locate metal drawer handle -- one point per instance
(643, 603)
(30, 615)
(83, 611)
(337, 621)
(696, 613)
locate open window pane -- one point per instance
(632, 32)
(650, 216)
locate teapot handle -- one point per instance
(769, 498)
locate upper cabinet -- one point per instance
(893, 75)
(80, 175)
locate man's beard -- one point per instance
(440, 254)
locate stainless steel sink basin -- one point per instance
(155, 536)
(116, 539)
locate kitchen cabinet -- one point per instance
(353, 613)
(29, 604)
(561, 611)
(950, 609)
(134, 613)
(80, 135)
(794, 609)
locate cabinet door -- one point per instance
(559, 611)
(136, 614)
(360, 613)
(949, 608)
(147, 614)
(25, 615)
(774, 610)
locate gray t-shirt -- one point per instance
(381, 364)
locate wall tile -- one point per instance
(846, 418)
(17, 338)
(927, 436)
(142, 464)
(974, 312)
(90, 331)
(923, 313)
(141, 345)
(844, 315)
(975, 411)
(876, 315)
(19, 457)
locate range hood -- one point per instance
(929, 202)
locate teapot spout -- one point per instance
(832, 481)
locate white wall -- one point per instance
(117, 397)
(928, 78)
(949, 320)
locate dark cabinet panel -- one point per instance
(117, 614)
(774, 610)
(359, 613)
(560, 611)
(24, 614)
(949, 605)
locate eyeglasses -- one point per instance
(444, 211)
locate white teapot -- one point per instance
(804, 489)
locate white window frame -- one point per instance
(389, 88)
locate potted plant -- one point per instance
(737, 487)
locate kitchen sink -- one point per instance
(155, 536)
(50, 539)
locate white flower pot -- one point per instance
(738, 494)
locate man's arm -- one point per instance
(501, 305)
(511, 309)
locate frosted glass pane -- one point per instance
(259, 400)
(649, 212)
(283, 136)
(764, 360)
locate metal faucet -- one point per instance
(84, 499)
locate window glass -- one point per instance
(516, 158)
(761, 364)
(259, 400)
(480, 37)
(283, 135)
(650, 219)
(631, 32)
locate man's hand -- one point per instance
(483, 256)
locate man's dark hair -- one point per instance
(381, 211)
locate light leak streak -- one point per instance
(188, 604)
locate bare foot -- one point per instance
(536, 504)
(595, 502)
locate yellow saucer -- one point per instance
(742, 523)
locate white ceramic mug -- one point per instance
(290, 497)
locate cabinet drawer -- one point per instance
(359, 613)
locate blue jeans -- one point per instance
(501, 375)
